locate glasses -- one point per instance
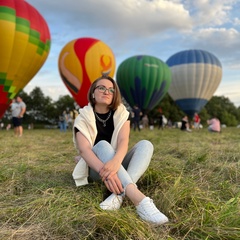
(103, 89)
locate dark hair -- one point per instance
(116, 96)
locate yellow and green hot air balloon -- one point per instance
(24, 47)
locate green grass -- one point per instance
(194, 179)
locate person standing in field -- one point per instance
(145, 121)
(136, 117)
(18, 108)
(22, 108)
(196, 121)
(15, 112)
(101, 136)
(63, 119)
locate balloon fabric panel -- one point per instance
(193, 56)
(70, 68)
(194, 81)
(191, 105)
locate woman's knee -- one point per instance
(104, 150)
(145, 145)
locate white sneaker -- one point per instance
(113, 202)
(148, 212)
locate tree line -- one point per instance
(42, 109)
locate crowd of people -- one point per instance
(142, 121)
(214, 124)
(138, 119)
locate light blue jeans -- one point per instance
(134, 164)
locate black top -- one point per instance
(104, 133)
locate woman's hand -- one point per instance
(110, 168)
(114, 184)
(109, 176)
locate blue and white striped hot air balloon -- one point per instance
(196, 74)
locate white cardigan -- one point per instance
(86, 124)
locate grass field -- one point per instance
(194, 178)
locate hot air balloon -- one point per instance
(196, 75)
(80, 62)
(24, 47)
(143, 80)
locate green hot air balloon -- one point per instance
(143, 80)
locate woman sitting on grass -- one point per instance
(101, 135)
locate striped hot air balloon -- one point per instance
(196, 74)
(24, 47)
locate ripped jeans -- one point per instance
(134, 164)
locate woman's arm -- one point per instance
(86, 152)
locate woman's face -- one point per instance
(103, 92)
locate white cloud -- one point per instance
(211, 13)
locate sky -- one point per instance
(157, 28)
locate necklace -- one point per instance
(101, 120)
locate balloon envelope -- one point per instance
(24, 47)
(80, 62)
(143, 80)
(196, 74)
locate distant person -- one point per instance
(70, 119)
(151, 123)
(185, 124)
(14, 108)
(72, 115)
(214, 125)
(160, 121)
(22, 109)
(169, 123)
(136, 117)
(8, 127)
(63, 118)
(101, 136)
(17, 108)
(196, 121)
(145, 121)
